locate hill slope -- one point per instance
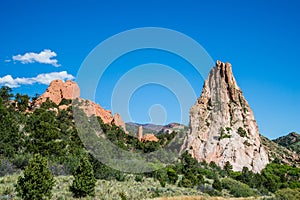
(290, 141)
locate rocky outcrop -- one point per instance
(139, 133)
(275, 150)
(223, 127)
(59, 90)
(149, 137)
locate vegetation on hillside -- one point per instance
(290, 141)
(50, 133)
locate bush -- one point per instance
(217, 185)
(288, 194)
(21, 160)
(65, 102)
(37, 182)
(172, 176)
(6, 167)
(138, 178)
(84, 181)
(120, 176)
(209, 190)
(242, 132)
(185, 182)
(237, 188)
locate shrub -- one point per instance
(242, 132)
(237, 188)
(217, 185)
(65, 102)
(138, 178)
(120, 176)
(288, 194)
(172, 176)
(228, 167)
(37, 182)
(185, 182)
(84, 181)
(21, 160)
(6, 167)
(223, 135)
(123, 195)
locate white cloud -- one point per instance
(44, 57)
(7, 60)
(45, 79)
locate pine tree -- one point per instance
(228, 167)
(84, 181)
(37, 182)
(217, 184)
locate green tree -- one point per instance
(10, 138)
(22, 102)
(172, 175)
(84, 181)
(228, 167)
(37, 182)
(217, 184)
(6, 93)
(45, 136)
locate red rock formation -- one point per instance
(149, 137)
(139, 133)
(58, 90)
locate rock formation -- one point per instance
(139, 133)
(149, 137)
(59, 90)
(223, 127)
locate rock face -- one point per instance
(223, 127)
(58, 90)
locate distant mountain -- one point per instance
(290, 141)
(153, 128)
(147, 128)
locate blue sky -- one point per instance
(259, 38)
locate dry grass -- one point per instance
(105, 190)
(111, 190)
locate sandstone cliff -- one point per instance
(59, 90)
(223, 127)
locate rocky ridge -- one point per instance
(223, 127)
(59, 90)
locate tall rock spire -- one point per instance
(223, 127)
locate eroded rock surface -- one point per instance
(223, 127)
